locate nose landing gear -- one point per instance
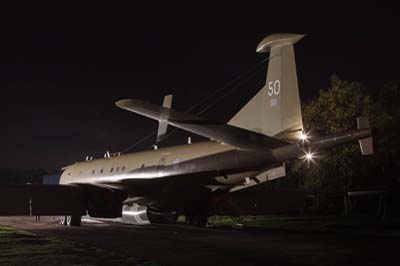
(71, 220)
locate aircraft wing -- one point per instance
(235, 136)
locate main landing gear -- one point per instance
(197, 219)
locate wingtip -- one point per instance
(120, 103)
(124, 103)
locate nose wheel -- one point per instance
(63, 220)
(71, 220)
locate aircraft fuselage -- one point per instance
(211, 158)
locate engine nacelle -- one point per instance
(134, 214)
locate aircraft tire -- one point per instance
(197, 219)
(170, 217)
(188, 219)
(63, 220)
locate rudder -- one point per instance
(275, 109)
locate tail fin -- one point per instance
(275, 109)
(365, 144)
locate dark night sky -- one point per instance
(61, 70)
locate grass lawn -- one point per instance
(309, 223)
(24, 248)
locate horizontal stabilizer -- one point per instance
(362, 134)
(362, 123)
(366, 144)
(238, 137)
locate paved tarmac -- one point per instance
(186, 245)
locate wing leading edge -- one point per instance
(238, 137)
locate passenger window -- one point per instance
(112, 169)
(101, 171)
(93, 172)
(116, 170)
(123, 168)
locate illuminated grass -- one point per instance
(304, 223)
(23, 248)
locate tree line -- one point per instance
(343, 168)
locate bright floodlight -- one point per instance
(303, 136)
(309, 156)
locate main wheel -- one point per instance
(200, 220)
(166, 217)
(188, 219)
(196, 219)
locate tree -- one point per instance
(336, 110)
(387, 131)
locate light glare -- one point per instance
(303, 136)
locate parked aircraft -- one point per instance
(158, 185)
